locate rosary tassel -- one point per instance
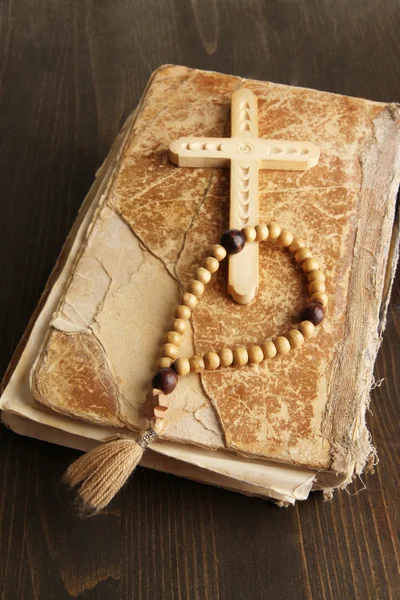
(103, 471)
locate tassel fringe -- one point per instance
(102, 472)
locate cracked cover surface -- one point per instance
(154, 227)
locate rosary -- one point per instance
(103, 471)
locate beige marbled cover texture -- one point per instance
(154, 226)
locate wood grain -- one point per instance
(70, 73)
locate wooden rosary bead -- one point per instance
(317, 286)
(269, 349)
(182, 312)
(164, 362)
(218, 252)
(173, 337)
(296, 245)
(262, 232)
(314, 312)
(240, 356)
(302, 255)
(307, 328)
(165, 380)
(182, 366)
(321, 298)
(282, 344)
(225, 356)
(310, 264)
(196, 288)
(203, 275)
(169, 350)
(295, 338)
(233, 241)
(179, 325)
(196, 363)
(211, 264)
(317, 275)
(211, 361)
(285, 239)
(249, 234)
(189, 300)
(256, 355)
(274, 230)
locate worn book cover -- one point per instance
(148, 224)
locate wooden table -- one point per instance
(71, 71)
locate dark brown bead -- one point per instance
(165, 380)
(314, 312)
(233, 241)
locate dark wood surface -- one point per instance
(70, 72)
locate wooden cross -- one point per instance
(155, 405)
(245, 153)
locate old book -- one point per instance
(277, 429)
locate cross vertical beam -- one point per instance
(243, 267)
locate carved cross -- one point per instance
(245, 153)
(155, 405)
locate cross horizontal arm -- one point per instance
(218, 152)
